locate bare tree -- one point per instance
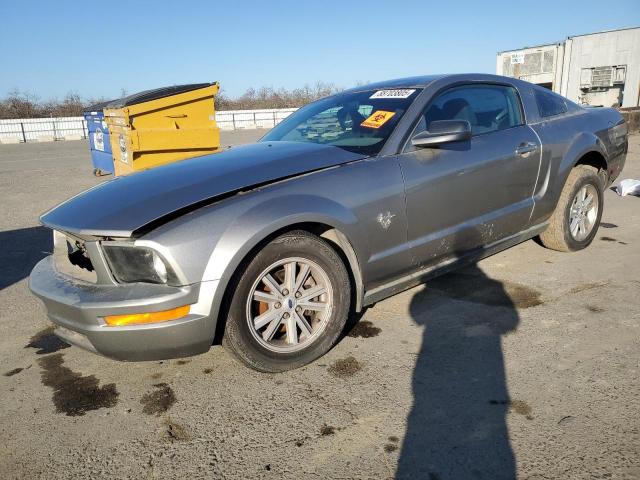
(18, 104)
(269, 97)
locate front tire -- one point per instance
(576, 219)
(290, 305)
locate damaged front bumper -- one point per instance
(78, 308)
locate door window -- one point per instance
(487, 108)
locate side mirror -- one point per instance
(443, 131)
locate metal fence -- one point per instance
(22, 130)
(248, 119)
(42, 129)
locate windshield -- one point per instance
(359, 122)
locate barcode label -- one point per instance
(399, 93)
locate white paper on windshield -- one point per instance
(397, 93)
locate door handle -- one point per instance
(525, 148)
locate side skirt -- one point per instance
(427, 273)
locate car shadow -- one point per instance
(20, 250)
(457, 426)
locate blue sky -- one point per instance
(98, 48)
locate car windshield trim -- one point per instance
(359, 122)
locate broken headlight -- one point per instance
(131, 264)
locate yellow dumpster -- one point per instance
(160, 126)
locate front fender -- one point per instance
(266, 218)
(260, 221)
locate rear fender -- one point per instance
(556, 175)
(584, 144)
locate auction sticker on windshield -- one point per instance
(377, 119)
(397, 93)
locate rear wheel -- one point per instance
(290, 305)
(576, 219)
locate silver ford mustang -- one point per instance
(351, 199)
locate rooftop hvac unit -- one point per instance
(619, 75)
(602, 77)
(524, 64)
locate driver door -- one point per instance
(469, 194)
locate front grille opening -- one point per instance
(78, 256)
(71, 258)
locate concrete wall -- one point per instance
(602, 49)
(541, 64)
(632, 117)
(619, 47)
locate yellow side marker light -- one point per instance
(150, 317)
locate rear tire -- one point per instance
(575, 221)
(290, 304)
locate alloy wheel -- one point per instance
(583, 212)
(289, 305)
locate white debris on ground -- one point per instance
(628, 187)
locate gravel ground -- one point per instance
(525, 365)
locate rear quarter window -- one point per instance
(549, 104)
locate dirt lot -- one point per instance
(525, 365)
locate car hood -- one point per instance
(119, 207)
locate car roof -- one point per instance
(418, 81)
(422, 81)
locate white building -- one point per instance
(600, 68)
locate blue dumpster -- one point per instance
(99, 142)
